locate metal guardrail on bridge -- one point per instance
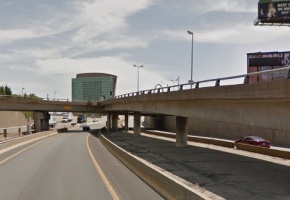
(42, 99)
(189, 86)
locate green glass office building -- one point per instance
(93, 86)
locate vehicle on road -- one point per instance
(67, 117)
(94, 119)
(82, 118)
(254, 140)
(52, 121)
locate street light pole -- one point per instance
(22, 90)
(191, 33)
(173, 82)
(138, 76)
(54, 95)
(178, 80)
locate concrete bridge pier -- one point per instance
(126, 128)
(41, 121)
(154, 122)
(115, 119)
(108, 123)
(137, 123)
(181, 131)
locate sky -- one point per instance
(44, 44)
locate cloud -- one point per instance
(123, 69)
(238, 34)
(7, 36)
(204, 7)
(110, 20)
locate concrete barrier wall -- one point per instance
(167, 187)
(191, 138)
(265, 151)
(229, 144)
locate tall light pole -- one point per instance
(178, 80)
(191, 33)
(54, 95)
(138, 76)
(22, 90)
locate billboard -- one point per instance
(274, 11)
(262, 61)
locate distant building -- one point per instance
(262, 61)
(93, 86)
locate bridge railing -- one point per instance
(42, 99)
(31, 98)
(197, 84)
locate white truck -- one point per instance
(67, 117)
(52, 121)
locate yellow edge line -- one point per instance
(3, 161)
(103, 176)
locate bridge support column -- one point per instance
(126, 122)
(181, 131)
(115, 119)
(137, 123)
(108, 123)
(28, 129)
(41, 121)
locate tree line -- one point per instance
(5, 90)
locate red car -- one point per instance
(254, 140)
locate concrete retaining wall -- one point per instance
(164, 185)
(12, 119)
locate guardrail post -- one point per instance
(5, 133)
(246, 79)
(19, 132)
(217, 82)
(197, 85)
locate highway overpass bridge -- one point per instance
(42, 107)
(229, 111)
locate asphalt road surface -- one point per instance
(72, 166)
(227, 173)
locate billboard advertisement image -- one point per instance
(274, 10)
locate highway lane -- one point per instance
(61, 167)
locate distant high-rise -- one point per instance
(93, 86)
